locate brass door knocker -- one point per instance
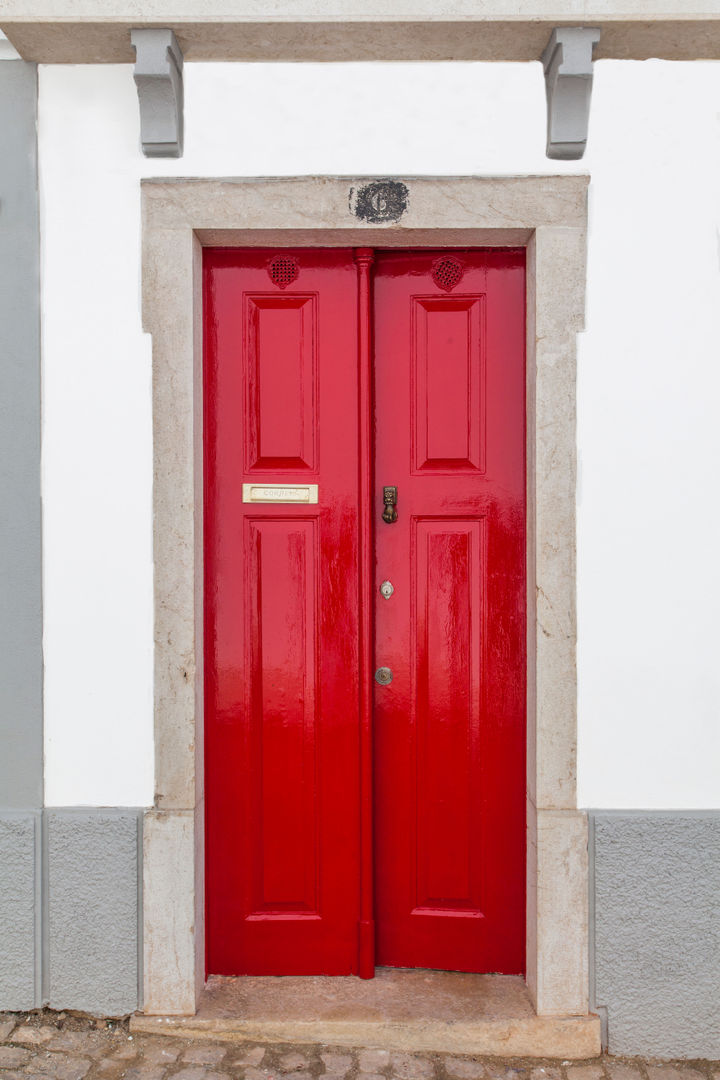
(389, 513)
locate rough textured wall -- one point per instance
(92, 925)
(19, 908)
(657, 931)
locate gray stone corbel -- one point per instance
(159, 80)
(567, 61)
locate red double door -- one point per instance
(344, 831)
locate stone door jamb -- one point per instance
(547, 215)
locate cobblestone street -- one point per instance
(59, 1047)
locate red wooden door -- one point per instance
(450, 727)
(281, 598)
(287, 768)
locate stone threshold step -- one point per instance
(410, 1010)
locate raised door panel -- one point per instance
(283, 635)
(447, 568)
(448, 372)
(281, 381)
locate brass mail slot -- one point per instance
(280, 493)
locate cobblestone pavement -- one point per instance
(56, 1046)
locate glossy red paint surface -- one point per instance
(450, 728)
(298, 760)
(281, 596)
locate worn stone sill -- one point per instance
(411, 1010)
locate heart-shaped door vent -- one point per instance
(447, 272)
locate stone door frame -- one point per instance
(548, 216)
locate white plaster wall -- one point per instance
(649, 390)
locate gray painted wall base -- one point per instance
(78, 872)
(20, 908)
(656, 902)
(93, 911)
